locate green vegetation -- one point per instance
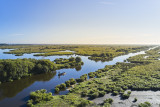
(107, 102)
(135, 100)
(15, 69)
(142, 73)
(18, 68)
(39, 96)
(45, 100)
(54, 53)
(145, 104)
(116, 79)
(68, 63)
(96, 52)
(126, 96)
(63, 86)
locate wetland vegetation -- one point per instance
(141, 73)
(96, 52)
(15, 69)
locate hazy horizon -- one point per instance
(80, 22)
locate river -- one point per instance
(16, 93)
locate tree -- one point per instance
(78, 59)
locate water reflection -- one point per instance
(10, 89)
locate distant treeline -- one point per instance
(96, 52)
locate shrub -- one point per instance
(56, 90)
(84, 103)
(108, 90)
(91, 75)
(145, 104)
(67, 83)
(125, 96)
(84, 93)
(109, 100)
(84, 76)
(129, 92)
(80, 80)
(72, 81)
(135, 100)
(78, 59)
(40, 95)
(125, 87)
(58, 86)
(94, 95)
(99, 75)
(62, 86)
(106, 105)
(115, 93)
(93, 90)
(101, 88)
(101, 93)
(30, 103)
(71, 59)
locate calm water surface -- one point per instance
(15, 94)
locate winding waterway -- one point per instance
(16, 92)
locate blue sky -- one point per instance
(80, 21)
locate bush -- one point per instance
(56, 90)
(135, 100)
(93, 90)
(72, 81)
(129, 92)
(84, 93)
(101, 93)
(71, 59)
(101, 88)
(78, 59)
(84, 76)
(125, 96)
(91, 74)
(106, 105)
(115, 92)
(109, 100)
(40, 95)
(145, 104)
(125, 87)
(80, 80)
(58, 86)
(84, 103)
(108, 90)
(67, 83)
(94, 95)
(62, 86)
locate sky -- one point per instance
(80, 21)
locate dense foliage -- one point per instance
(12, 69)
(42, 99)
(68, 63)
(39, 96)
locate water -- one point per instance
(15, 94)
